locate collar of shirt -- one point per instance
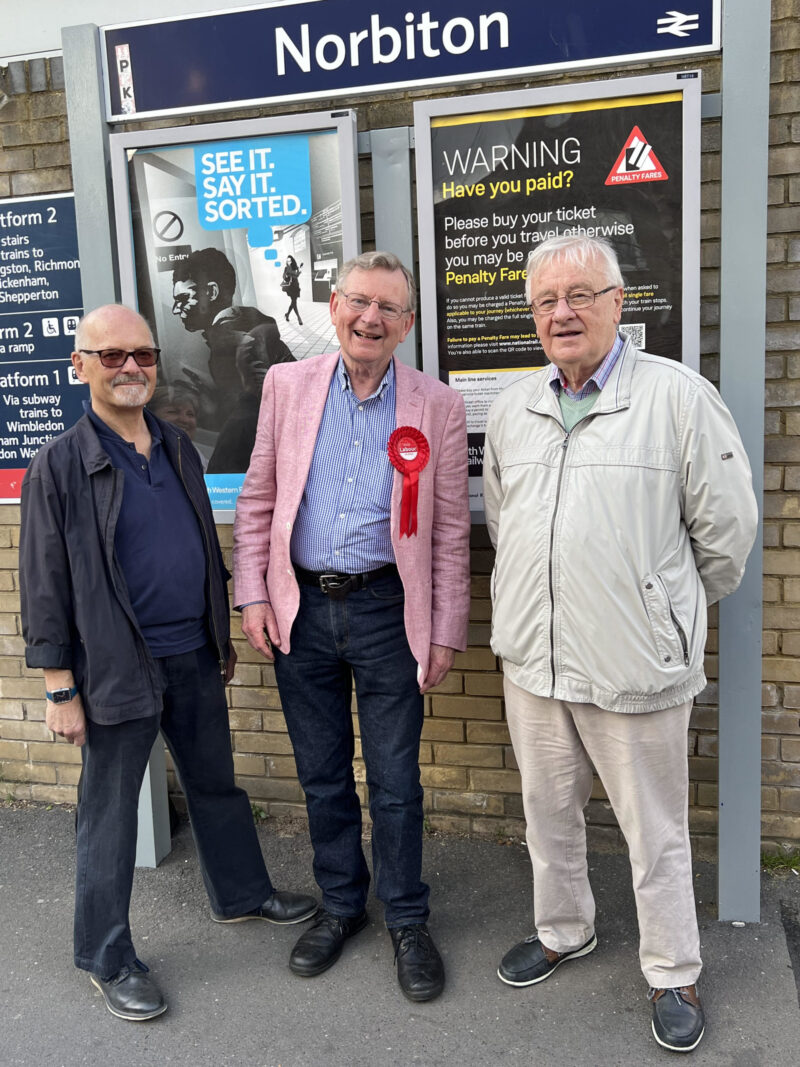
(596, 382)
(104, 430)
(386, 380)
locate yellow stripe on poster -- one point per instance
(566, 108)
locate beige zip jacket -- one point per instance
(613, 539)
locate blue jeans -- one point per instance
(194, 721)
(360, 639)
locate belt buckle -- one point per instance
(334, 585)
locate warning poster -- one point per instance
(504, 178)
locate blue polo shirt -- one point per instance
(159, 545)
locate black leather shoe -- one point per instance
(281, 908)
(420, 970)
(131, 993)
(678, 1019)
(530, 962)
(321, 945)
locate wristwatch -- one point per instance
(62, 696)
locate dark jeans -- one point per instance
(335, 642)
(194, 721)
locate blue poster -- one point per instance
(238, 247)
(40, 305)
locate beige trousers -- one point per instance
(642, 762)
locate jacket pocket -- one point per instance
(670, 637)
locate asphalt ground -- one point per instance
(234, 1003)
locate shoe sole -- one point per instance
(275, 922)
(120, 1014)
(576, 955)
(421, 998)
(313, 972)
(676, 1048)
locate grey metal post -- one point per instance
(394, 221)
(154, 840)
(745, 141)
(88, 135)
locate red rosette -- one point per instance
(409, 453)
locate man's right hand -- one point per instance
(67, 720)
(260, 627)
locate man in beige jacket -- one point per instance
(619, 498)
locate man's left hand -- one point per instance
(440, 662)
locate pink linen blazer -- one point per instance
(433, 564)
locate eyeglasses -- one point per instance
(359, 302)
(114, 358)
(577, 299)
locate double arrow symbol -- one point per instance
(678, 24)
(636, 155)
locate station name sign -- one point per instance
(311, 49)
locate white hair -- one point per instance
(584, 252)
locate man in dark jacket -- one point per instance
(125, 607)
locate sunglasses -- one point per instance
(114, 358)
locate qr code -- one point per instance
(634, 330)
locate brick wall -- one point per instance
(468, 768)
(34, 150)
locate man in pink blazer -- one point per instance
(351, 565)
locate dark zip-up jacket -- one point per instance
(76, 611)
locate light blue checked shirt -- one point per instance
(343, 523)
(597, 380)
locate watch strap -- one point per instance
(73, 692)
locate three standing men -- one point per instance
(619, 498)
(618, 495)
(125, 607)
(350, 571)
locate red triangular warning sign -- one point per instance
(636, 162)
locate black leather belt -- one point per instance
(337, 585)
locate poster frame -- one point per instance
(687, 82)
(122, 146)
